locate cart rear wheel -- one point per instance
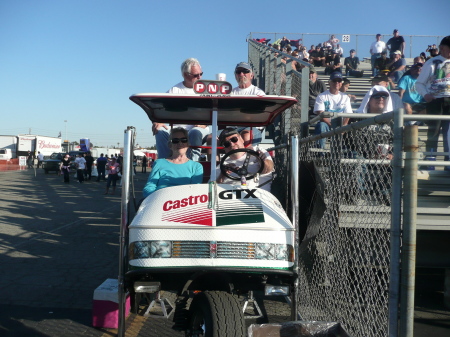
(215, 314)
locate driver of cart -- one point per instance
(177, 169)
(230, 139)
(191, 71)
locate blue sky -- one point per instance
(80, 60)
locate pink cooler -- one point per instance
(105, 307)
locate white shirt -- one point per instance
(40, 157)
(251, 90)
(81, 163)
(377, 47)
(326, 101)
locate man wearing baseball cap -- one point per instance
(244, 76)
(351, 65)
(396, 66)
(407, 91)
(332, 100)
(433, 84)
(397, 42)
(231, 139)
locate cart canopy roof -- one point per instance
(197, 109)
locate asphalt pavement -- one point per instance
(59, 242)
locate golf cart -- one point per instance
(209, 242)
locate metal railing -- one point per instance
(414, 44)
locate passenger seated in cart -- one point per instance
(230, 139)
(177, 169)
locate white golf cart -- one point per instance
(207, 241)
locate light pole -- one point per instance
(66, 140)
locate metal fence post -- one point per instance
(396, 209)
(409, 231)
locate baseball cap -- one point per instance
(395, 30)
(378, 34)
(417, 65)
(398, 52)
(227, 133)
(335, 75)
(244, 65)
(312, 70)
(352, 50)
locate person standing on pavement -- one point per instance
(101, 165)
(80, 163)
(144, 164)
(113, 175)
(65, 168)
(40, 158)
(89, 161)
(30, 159)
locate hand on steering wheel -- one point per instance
(243, 170)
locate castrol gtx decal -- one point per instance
(238, 206)
(233, 207)
(191, 210)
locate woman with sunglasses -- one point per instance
(177, 169)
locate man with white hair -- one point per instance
(191, 72)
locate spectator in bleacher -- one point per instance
(376, 49)
(303, 54)
(316, 87)
(284, 42)
(317, 57)
(397, 42)
(351, 65)
(433, 84)
(386, 82)
(334, 64)
(333, 41)
(433, 51)
(345, 87)
(328, 52)
(339, 50)
(371, 102)
(191, 71)
(412, 100)
(332, 100)
(396, 66)
(381, 62)
(313, 47)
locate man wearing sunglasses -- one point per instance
(230, 139)
(191, 71)
(244, 77)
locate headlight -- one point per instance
(161, 249)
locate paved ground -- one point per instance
(58, 242)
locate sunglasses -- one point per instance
(379, 96)
(177, 140)
(245, 71)
(227, 143)
(196, 75)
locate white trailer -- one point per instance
(47, 145)
(9, 142)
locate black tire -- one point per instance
(216, 312)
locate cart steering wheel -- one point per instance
(243, 170)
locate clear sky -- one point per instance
(80, 60)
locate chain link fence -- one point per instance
(344, 204)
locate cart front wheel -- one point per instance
(215, 314)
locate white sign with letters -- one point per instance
(345, 38)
